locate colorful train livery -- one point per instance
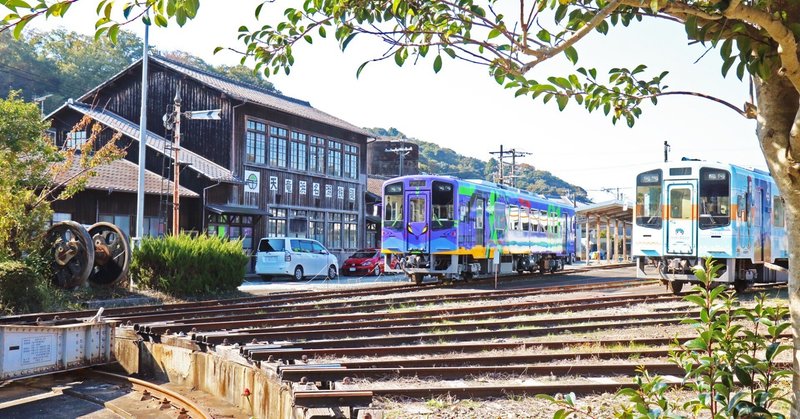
(447, 227)
(689, 210)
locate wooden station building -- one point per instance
(271, 166)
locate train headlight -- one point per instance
(408, 227)
(424, 229)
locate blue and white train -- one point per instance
(690, 210)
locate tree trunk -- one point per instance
(778, 105)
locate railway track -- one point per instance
(348, 348)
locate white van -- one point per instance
(296, 257)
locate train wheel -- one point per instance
(112, 254)
(416, 279)
(676, 287)
(520, 271)
(740, 286)
(73, 253)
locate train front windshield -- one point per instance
(715, 198)
(648, 199)
(393, 206)
(442, 214)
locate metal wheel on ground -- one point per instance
(112, 254)
(416, 279)
(740, 286)
(73, 253)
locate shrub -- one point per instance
(732, 369)
(21, 289)
(187, 265)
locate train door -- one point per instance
(418, 234)
(480, 216)
(761, 223)
(681, 219)
(564, 231)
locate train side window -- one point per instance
(715, 198)
(525, 219)
(778, 212)
(543, 220)
(513, 217)
(500, 219)
(479, 214)
(442, 199)
(648, 199)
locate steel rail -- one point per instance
(496, 359)
(355, 331)
(415, 316)
(409, 340)
(165, 394)
(410, 317)
(325, 374)
(350, 307)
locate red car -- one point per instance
(364, 262)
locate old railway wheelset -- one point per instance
(99, 254)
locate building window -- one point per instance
(75, 139)
(334, 158)
(122, 221)
(316, 226)
(316, 154)
(350, 161)
(351, 231)
(334, 231)
(232, 227)
(276, 225)
(256, 142)
(277, 146)
(153, 227)
(297, 153)
(298, 223)
(59, 217)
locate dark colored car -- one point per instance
(364, 262)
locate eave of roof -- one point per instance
(187, 157)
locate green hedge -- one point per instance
(21, 288)
(187, 265)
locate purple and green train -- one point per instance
(447, 227)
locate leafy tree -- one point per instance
(35, 173)
(21, 68)
(754, 38)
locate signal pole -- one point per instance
(666, 151)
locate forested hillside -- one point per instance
(444, 161)
(66, 64)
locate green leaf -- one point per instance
(218, 49)
(725, 51)
(437, 64)
(361, 67)
(161, 21)
(322, 32)
(398, 57)
(258, 9)
(113, 31)
(562, 101)
(572, 54)
(494, 33)
(19, 27)
(544, 36)
(654, 6)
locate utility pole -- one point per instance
(40, 100)
(172, 121)
(666, 151)
(513, 154)
(402, 151)
(176, 145)
(142, 141)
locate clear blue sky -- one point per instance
(462, 108)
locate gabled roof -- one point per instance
(375, 185)
(195, 162)
(122, 176)
(244, 92)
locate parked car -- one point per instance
(364, 262)
(296, 257)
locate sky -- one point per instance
(464, 109)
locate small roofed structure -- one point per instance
(614, 219)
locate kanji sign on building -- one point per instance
(273, 183)
(340, 192)
(328, 191)
(301, 185)
(287, 186)
(316, 189)
(351, 193)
